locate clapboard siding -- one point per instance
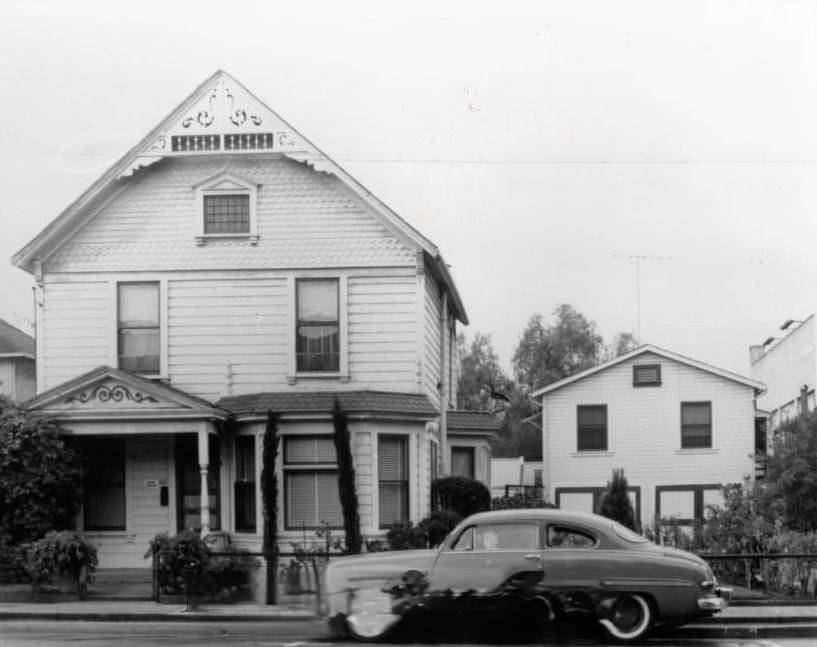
(431, 341)
(216, 326)
(382, 348)
(76, 329)
(644, 430)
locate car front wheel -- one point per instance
(370, 617)
(626, 617)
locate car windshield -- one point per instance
(628, 535)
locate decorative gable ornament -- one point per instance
(222, 116)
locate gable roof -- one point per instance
(224, 103)
(655, 350)
(104, 384)
(306, 402)
(15, 343)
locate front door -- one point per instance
(485, 556)
(188, 484)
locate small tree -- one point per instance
(461, 494)
(616, 504)
(40, 477)
(346, 481)
(269, 500)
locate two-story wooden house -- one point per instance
(224, 268)
(680, 429)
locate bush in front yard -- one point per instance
(183, 561)
(463, 495)
(65, 553)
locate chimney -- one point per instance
(756, 352)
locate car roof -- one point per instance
(545, 514)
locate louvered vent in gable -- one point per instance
(647, 375)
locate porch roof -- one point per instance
(471, 422)
(383, 402)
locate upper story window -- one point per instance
(226, 208)
(138, 327)
(227, 214)
(696, 425)
(647, 375)
(592, 427)
(317, 344)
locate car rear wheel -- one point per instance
(370, 617)
(626, 617)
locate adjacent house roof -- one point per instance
(222, 102)
(471, 422)
(654, 350)
(14, 342)
(381, 402)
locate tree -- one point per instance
(520, 433)
(622, 344)
(548, 353)
(40, 477)
(269, 501)
(346, 481)
(791, 480)
(481, 382)
(616, 504)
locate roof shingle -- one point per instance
(476, 421)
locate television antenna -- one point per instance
(638, 258)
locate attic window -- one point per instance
(194, 143)
(226, 209)
(647, 375)
(249, 142)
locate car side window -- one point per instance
(465, 541)
(507, 536)
(565, 537)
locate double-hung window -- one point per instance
(696, 425)
(138, 327)
(592, 427)
(311, 492)
(392, 475)
(317, 344)
(245, 484)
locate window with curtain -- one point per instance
(244, 486)
(104, 484)
(592, 427)
(317, 346)
(392, 475)
(696, 424)
(138, 327)
(311, 492)
(463, 462)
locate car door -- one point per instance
(571, 558)
(486, 555)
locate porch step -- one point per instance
(121, 584)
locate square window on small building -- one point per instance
(696, 425)
(227, 214)
(463, 462)
(591, 427)
(647, 375)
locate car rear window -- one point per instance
(628, 535)
(566, 537)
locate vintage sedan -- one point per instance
(552, 563)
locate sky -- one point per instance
(540, 145)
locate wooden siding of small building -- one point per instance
(644, 431)
(431, 341)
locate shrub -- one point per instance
(40, 477)
(61, 553)
(516, 501)
(616, 504)
(438, 524)
(463, 495)
(183, 562)
(406, 536)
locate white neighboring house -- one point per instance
(788, 368)
(510, 476)
(678, 427)
(17, 372)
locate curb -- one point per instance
(741, 631)
(153, 617)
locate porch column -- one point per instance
(204, 461)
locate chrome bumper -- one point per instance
(717, 602)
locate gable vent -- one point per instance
(647, 375)
(186, 143)
(248, 141)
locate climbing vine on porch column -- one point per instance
(346, 481)
(269, 499)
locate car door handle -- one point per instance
(533, 557)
